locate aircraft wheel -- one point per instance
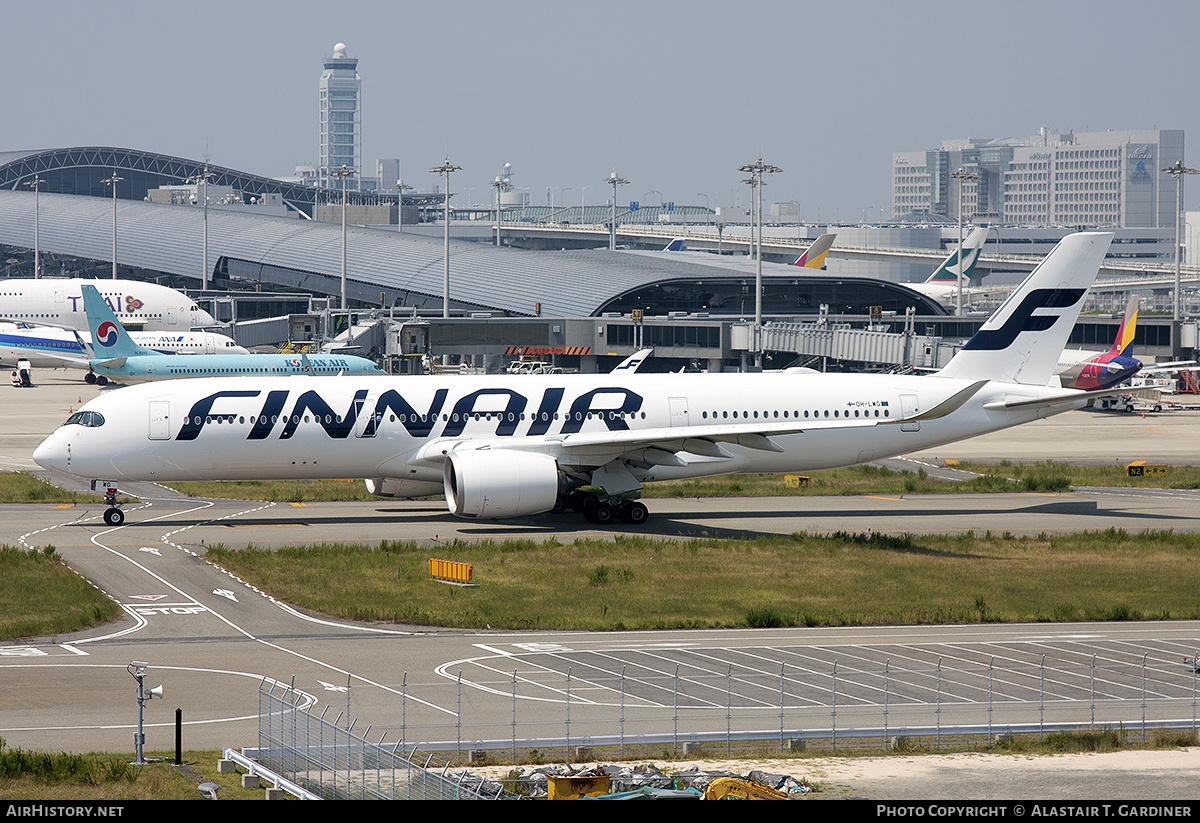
(114, 516)
(560, 506)
(601, 514)
(635, 514)
(89, 378)
(581, 501)
(101, 380)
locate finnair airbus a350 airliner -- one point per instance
(514, 445)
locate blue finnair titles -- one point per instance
(115, 356)
(515, 445)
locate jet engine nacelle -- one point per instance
(495, 483)
(398, 487)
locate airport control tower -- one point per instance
(341, 118)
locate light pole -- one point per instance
(500, 184)
(612, 226)
(137, 670)
(36, 182)
(202, 178)
(961, 176)
(445, 169)
(582, 194)
(1177, 171)
(401, 188)
(113, 181)
(343, 173)
(756, 170)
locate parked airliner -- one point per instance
(942, 285)
(513, 445)
(1078, 369)
(139, 306)
(116, 357)
(47, 347)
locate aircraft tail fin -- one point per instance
(951, 268)
(675, 245)
(814, 255)
(109, 338)
(1123, 344)
(1021, 341)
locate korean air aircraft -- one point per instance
(1102, 370)
(515, 445)
(138, 306)
(116, 357)
(53, 348)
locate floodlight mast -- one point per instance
(1177, 171)
(343, 173)
(202, 178)
(36, 182)
(615, 181)
(445, 169)
(756, 170)
(112, 181)
(962, 175)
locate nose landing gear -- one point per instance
(113, 516)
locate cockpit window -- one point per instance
(86, 418)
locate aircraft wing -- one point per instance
(1177, 366)
(661, 446)
(114, 363)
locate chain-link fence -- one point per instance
(329, 759)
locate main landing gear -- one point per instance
(113, 516)
(604, 511)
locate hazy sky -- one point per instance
(671, 95)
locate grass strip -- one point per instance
(639, 583)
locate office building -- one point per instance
(1110, 179)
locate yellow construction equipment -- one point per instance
(732, 788)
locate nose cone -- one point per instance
(201, 318)
(49, 453)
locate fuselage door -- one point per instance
(368, 421)
(679, 411)
(172, 317)
(160, 420)
(910, 407)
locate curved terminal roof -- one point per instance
(383, 267)
(406, 269)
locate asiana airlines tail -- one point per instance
(518, 445)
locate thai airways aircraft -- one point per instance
(942, 285)
(1091, 370)
(514, 445)
(138, 306)
(46, 347)
(116, 357)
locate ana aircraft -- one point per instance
(513, 445)
(942, 285)
(1101, 370)
(116, 357)
(139, 306)
(54, 348)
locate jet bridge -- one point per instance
(841, 343)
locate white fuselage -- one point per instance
(385, 427)
(53, 348)
(138, 305)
